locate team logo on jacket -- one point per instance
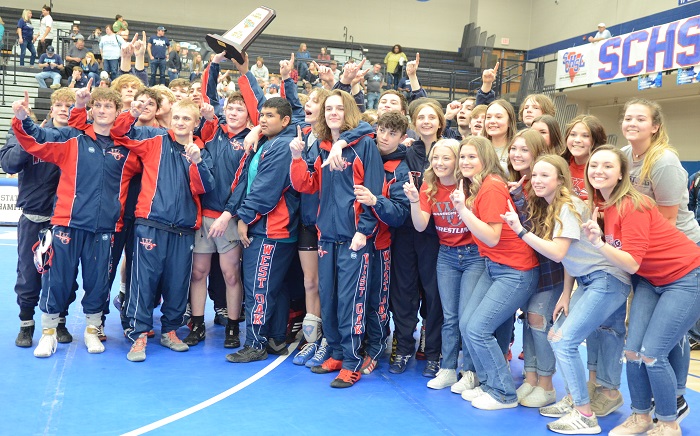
(236, 145)
(148, 244)
(91, 149)
(36, 160)
(612, 241)
(321, 251)
(116, 154)
(63, 237)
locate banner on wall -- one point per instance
(652, 50)
(9, 213)
(688, 75)
(649, 81)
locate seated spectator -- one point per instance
(405, 86)
(301, 61)
(273, 90)
(323, 56)
(74, 55)
(75, 33)
(197, 67)
(335, 70)
(78, 78)
(90, 67)
(259, 70)
(51, 66)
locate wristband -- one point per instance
(522, 233)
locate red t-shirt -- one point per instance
(578, 179)
(450, 228)
(664, 253)
(490, 202)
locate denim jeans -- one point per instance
(110, 66)
(599, 295)
(603, 349)
(501, 290)
(660, 316)
(539, 356)
(27, 44)
(372, 100)
(156, 66)
(458, 271)
(55, 76)
(172, 74)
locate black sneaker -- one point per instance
(278, 349)
(682, 409)
(694, 345)
(247, 354)
(221, 317)
(431, 368)
(400, 363)
(26, 332)
(63, 336)
(392, 356)
(420, 353)
(232, 339)
(197, 334)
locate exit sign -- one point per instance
(506, 41)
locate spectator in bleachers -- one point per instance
(259, 70)
(46, 32)
(301, 61)
(74, 55)
(273, 90)
(95, 35)
(375, 81)
(90, 67)
(602, 34)
(120, 27)
(158, 48)
(394, 61)
(323, 56)
(78, 78)
(197, 67)
(25, 37)
(335, 70)
(174, 64)
(185, 61)
(110, 49)
(75, 33)
(51, 65)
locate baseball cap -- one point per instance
(275, 86)
(50, 49)
(162, 28)
(601, 24)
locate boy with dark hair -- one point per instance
(167, 215)
(392, 208)
(267, 210)
(151, 105)
(90, 198)
(37, 182)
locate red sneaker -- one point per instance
(346, 378)
(330, 365)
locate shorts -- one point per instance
(223, 244)
(308, 238)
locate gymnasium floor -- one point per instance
(199, 392)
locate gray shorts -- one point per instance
(203, 244)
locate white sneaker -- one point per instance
(467, 382)
(524, 390)
(539, 398)
(487, 402)
(470, 394)
(443, 379)
(47, 343)
(92, 340)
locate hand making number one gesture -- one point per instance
(512, 219)
(297, 145)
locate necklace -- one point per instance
(637, 156)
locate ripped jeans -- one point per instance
(604, 348)
(660, 316)
(539, 356)
(599, 295)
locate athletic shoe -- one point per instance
(420, 353)
(277, 348)
(558, 409)
(524, 390)
(101, 333)
(470, 394)
(539, 398)
(92, 340)
(247, 354)
(368, 365)
(400, 363)
(330, 365)
(487, 402)
(633, 425)
(294, 324)
(170, 340)
(26, 332)
(55, 86)
(443, 379)
(187, 316)
(664, 430)
(196, 335)
(232, 339)
(47, 344)
(394, 343)
(118, 301)
(306, 353)
(682, 409)
(63, 336)
(521, 356)
(221, 317)
(137, 353)
(322, 354)
(467, 382)
(602, 405)
(346, 378)
(431, 368)
(575, 423)
(591, 390)
(694, 345)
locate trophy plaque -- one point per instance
(237, 40)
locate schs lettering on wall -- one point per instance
(655, 49)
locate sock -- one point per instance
(122, 288)
(587, 415)
(232, 322)
(26, 314)
(197, 319)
